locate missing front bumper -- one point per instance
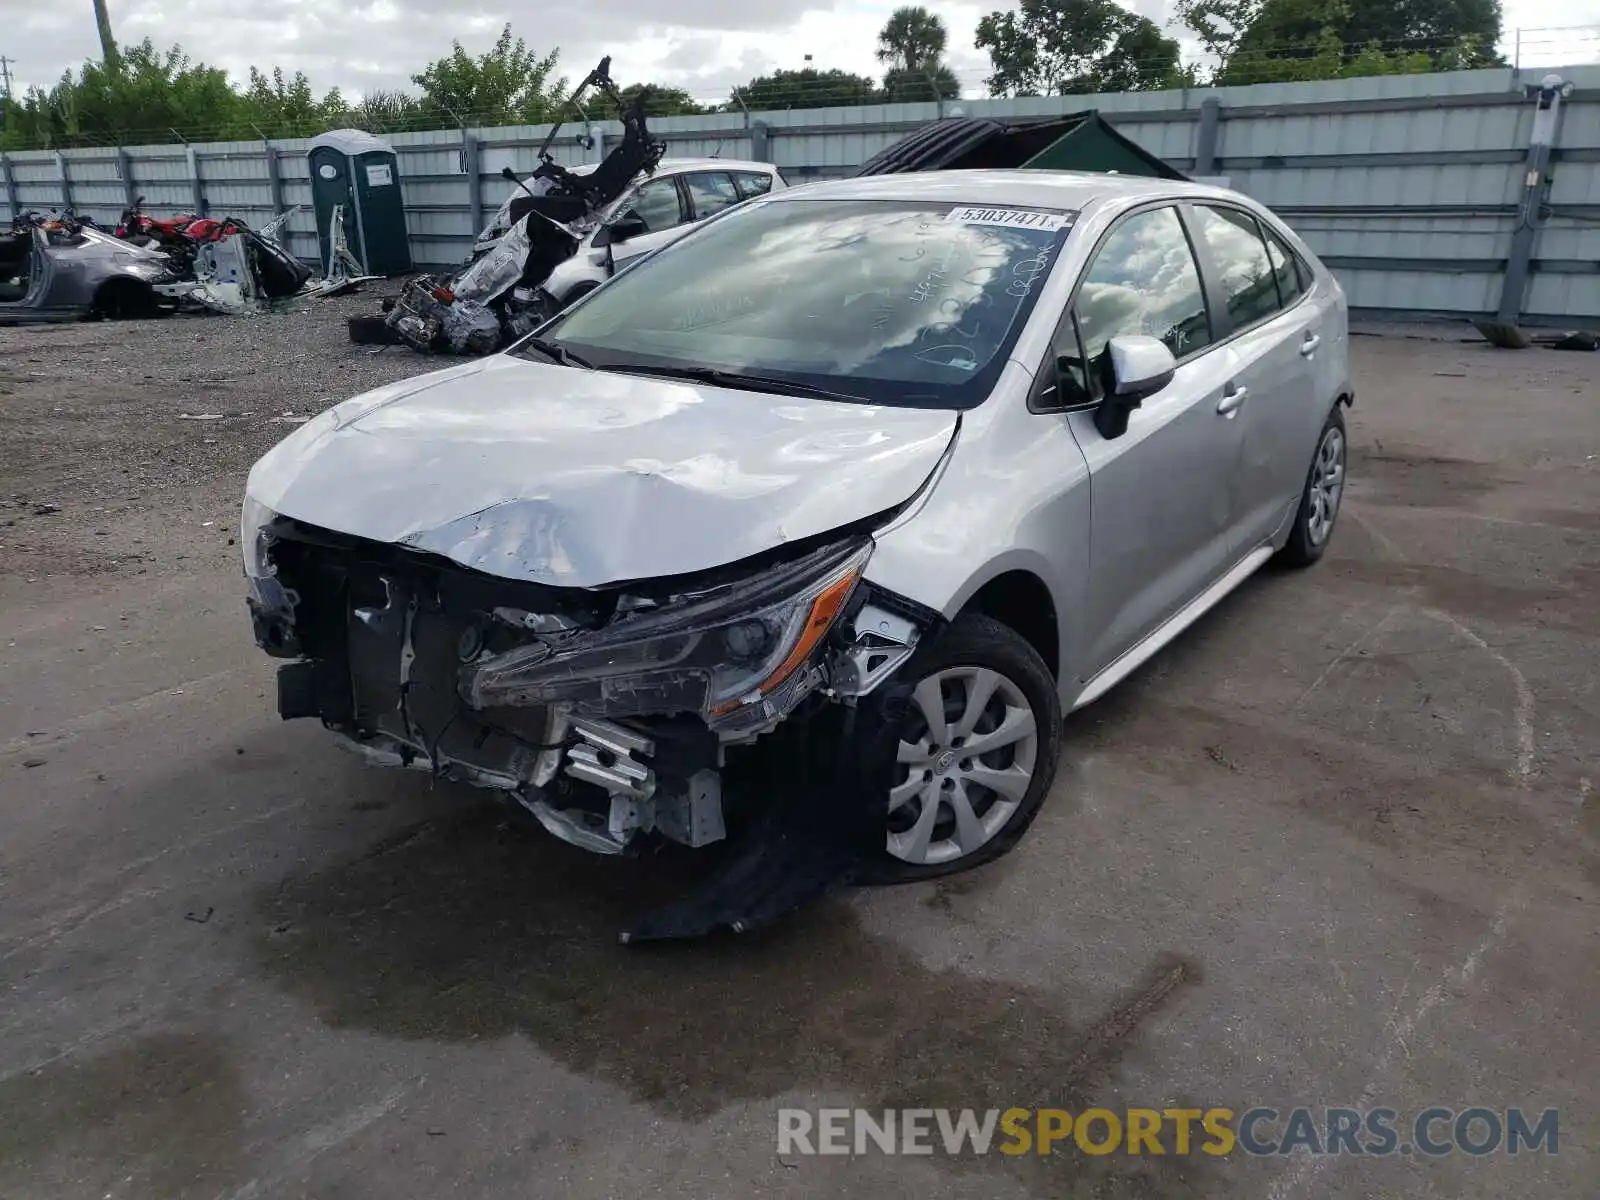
(382, 641)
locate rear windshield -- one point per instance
(914, 304)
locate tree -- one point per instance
(384, 111)
(904, 85)
(144, 95)
(1269, 40)
(279, 107)
(141, 97)
(506, 85)
(911, 45)
(662, 101)
(809, 88)
(1218, 24)
(1057, 47)
(913, 39)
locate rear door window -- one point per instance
(1249, 284)
(658, 205)
(753, 183)
(1287, 268)
(710, 192)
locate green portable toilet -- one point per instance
(361, 172)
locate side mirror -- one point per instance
(508, 175)
(1135, 366)
(621, 230)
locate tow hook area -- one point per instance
(617, 759)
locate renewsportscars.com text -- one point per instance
(1377, 1132)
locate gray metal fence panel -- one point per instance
(1408, 185)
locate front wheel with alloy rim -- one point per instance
(976, 751)
(1319, 502)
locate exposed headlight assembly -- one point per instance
(253, 539)
(739, 654)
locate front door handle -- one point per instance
(1232, 399)
(1309, 346)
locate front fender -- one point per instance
(1013, 496)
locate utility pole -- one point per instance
(5, 106)
(108, 45)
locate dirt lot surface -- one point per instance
(1339, 846)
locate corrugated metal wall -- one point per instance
(1407, 185)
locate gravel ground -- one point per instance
(101, 458)
(1339, 845)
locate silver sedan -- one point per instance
(863, 482)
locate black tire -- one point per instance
(973, 640)
(1303, 548)
(371, 331)
(124, 299)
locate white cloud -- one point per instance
(706, 46)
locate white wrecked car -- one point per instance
(807, 529)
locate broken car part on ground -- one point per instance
(763, 543)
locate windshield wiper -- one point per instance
(558, 352)
(748, 383)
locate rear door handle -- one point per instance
(1309, 346)
(1232, 398)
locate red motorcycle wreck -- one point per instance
(219, 264)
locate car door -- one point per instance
(1163, 491)
(659, 203)
(1274, 338)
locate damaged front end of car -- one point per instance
(745, 705)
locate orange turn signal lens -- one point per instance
(824, 612)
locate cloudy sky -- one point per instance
(705, 46)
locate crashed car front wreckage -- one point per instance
(692, 707)
(635, 592)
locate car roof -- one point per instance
(1068, 191)
(738, 164)
(693, 164)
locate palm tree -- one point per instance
(913, 39)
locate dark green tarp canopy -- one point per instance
(1082, 141)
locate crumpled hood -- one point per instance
(581, 478)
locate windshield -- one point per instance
(893, 303)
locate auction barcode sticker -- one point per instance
(1010, 218)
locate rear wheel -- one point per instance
(122, 299)
(1319, 501)
(977, 751)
